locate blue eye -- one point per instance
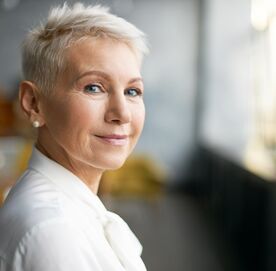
(133, 92)
(92, 88)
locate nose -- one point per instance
(118, 110)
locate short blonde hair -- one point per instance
(44, 46)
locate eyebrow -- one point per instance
(108, 77)
(136, 79)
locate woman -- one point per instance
(83, 93)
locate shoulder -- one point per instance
(32, 201)
(51, 245)
(36, 232)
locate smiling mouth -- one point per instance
(115, 140)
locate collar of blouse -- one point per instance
(121, 239)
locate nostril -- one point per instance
(118, 113)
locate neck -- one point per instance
(87, 174)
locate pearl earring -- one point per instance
(36, 124)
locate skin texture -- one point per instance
(98, 96)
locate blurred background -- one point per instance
(200, 189)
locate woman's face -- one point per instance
(96, 114)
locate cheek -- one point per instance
(69, 115)
(138, 119)
(54, 114)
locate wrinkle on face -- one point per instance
(74, 118)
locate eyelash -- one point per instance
(86, 88)
(138, 91)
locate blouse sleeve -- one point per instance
(53, 246)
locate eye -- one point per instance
(133, 92)
(91, 88)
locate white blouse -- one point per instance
(52, 221)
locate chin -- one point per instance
(111, 164)
(114, 166)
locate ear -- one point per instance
(29, 101)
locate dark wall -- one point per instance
(241, 205)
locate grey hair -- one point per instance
(44, 46)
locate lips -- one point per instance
(114, 139)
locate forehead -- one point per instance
(104, 54)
